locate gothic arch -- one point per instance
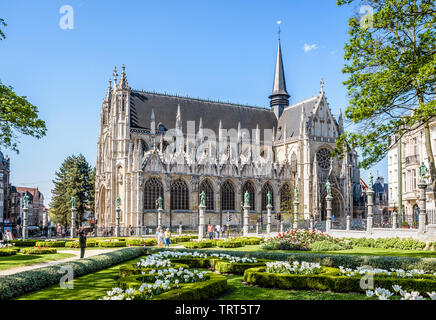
(153, 189)
(207, 186)
(228, 196)
(248, 186)
(285, 196)
(267, 187)
(179, 195)
(338, 205)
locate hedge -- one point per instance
(331, 282)
(131, 270)
(141, 242)
(75, 244)
(24, 243)
(332, 260)
(7, 252)
(199, 244)
(112, 244)
(38, 251)
(235, 268)
(23, 282)
(250, 241)
(388, 243)
(229, 244)
(178, 239)
(50, 244)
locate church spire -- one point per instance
(341, 122)
(108, 92)
(279, 96)
(123, 79)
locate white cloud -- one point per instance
(309, 47)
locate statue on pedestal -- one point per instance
(328, 187)
(118, 201)
(422, 171)
(268, 197)
(26, 201)
(203, 198)
(371, 181)
(246, 199)
(73, 203)
(159, 202)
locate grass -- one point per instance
(20, 260)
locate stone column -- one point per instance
(73, 222)
(202, 209)
(394, 220)
(246, 220)
(422, 206)
(328, 226)
(180, 229)
(268, 218)
(311, 222)
(159, 217)
(370, 217)
(25, 211)
(117, 225)
(348, 222)
(295, 224)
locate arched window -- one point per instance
(249, 187)
(323, 158)
(267, 188)
(152, 190)
(227, 196)
(285, 197)
(206, 186)
(179, 195)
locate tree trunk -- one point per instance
(430, 155)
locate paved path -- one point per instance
(88, 253)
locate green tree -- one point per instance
(17, 115)
(73, 179)
(390, 62)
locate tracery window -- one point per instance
(249, 187)
(206, 186)
(179, 195)
(323, 158)
(152, 190)
(267, 188)
(227, 196)
(285, 197)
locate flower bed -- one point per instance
(38, 250)
(384, 294)
(50, 244)
(111, 243)
(294, 268)
(141, 242)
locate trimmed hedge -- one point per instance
(75, 244)
(24, 243)
(112, 244)
(235, 268)
(7, 252)
(141, 242)
(131, 270)
(332, 260)
(331, 282)
(178, 239)
(326, 245)
(20, 283)
(229, 244)
(50, 244)
(388, 243)
(38, 251)
(199, 245)
(250, 241)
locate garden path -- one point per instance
(88, 253)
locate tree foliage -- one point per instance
(75, 178)
(391, 67)
(17, 115)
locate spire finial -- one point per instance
(322, 85)
(279, 23)
(123, 79)
(115, 74)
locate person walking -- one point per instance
(210, 230)
(218, 229)
(167, 238)
(131, 230)
(161, 238)
(82, 243)
(223, 229)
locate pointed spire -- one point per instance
(279, 95)
(178, 118)
(152, 122)
(322, 86)
(108, 92)
(340, 121)
(115, 74)
(123, 79)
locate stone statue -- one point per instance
(422, 171)
(328, 187)
(203, 198)
(371, 181)
(118, 201)
(25, 201)
(159, 202)
(295, 194)
(73, 203)
(246, 199)
(268, 197)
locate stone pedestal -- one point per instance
(117, 225)
(348, 223)
(370, 216)
(73, 222)
(159, 217)
(394, 220)
(295, 224)
(422, 206)
(257, 227)
(281, 226)
(180, 229)
(202, 210)
(328, 225)
(25, 211)
(246, 220)
(268, 219)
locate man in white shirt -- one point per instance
(218, 229)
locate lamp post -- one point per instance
(370, 217)
(159, 212)
(25, 211)
(269, 211)
(117, 217)
(246, 213)
(422, 199)
(296, 202)
(329, 200)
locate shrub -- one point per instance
(331, 282)
(199, 244)
(24, 243)
(111, 244)
(50, 244)
(178, 239)
(75, 244)
(7, 252)
(229, 244)
(246, 241)
(131, 270)
(23, 282)
(235, 268)
(141, 242)
(328, 246)
(38, 250)
(388, 243)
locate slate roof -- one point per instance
(211, 112)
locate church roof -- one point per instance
(211, 112)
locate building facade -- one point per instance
(413, 153)
(36, 208)
(153, 145)
(4, 188)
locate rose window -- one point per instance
(323, 158)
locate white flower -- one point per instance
(432, 295)
(396, 288)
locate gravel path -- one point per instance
(88, 253)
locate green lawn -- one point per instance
(20, 260)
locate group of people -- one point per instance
(7, 236)
(163, 238)
(218, 230)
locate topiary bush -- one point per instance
(75, 244)
(141, 242)
(229, 244)
(112, 244)
(38, 250)
(199, 244)
(24, 243)
(50, 244)
(250, 241)
(7, 252)
(178, 239)
(235, 268)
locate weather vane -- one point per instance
(279, 22)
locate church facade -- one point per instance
(153, 145)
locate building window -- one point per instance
(206, 186)
(227, 196)
(179, 195)
(249, 187)
(414, 179)
(323, 158)
(153, 189)
(285, 197)
(267, 188)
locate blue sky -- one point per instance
(210, 49)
